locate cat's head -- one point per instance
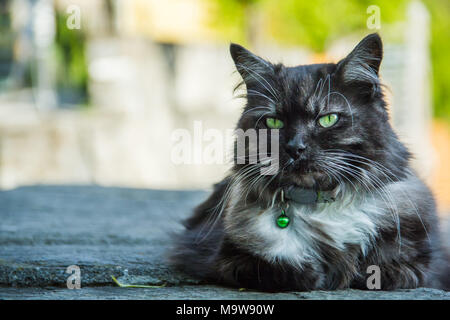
(332, 118)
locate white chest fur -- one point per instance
(351, 220)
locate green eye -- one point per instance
(328, 120)
(273, 123)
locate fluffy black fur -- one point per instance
(360, 159)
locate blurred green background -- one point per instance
(316, 23)
(91, 91)
(311, 24)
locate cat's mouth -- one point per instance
(302, 166)
(306, 174)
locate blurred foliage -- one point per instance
(440, 48)
(70, 55)
(307, 23)
(316, 23)
(6, 41)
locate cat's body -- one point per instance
(382, 215)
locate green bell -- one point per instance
(283, 220)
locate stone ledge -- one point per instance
(213, 293)
(113, 231)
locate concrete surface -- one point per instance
(213, 292)
(113, 231)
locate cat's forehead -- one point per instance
(308, 77)
(307, 83)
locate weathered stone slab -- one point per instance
(104, 231)
(113, 231)
(214, 293)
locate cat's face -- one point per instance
(332, 119)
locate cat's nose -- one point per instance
(295, 149)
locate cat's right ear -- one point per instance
(249, 65)
(361, 66)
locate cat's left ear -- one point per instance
(362, 65)
(249, 65)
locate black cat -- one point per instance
(343, 198)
